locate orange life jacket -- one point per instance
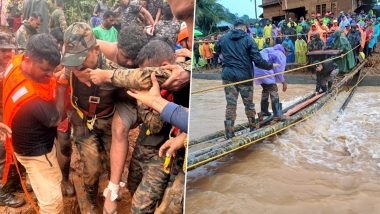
(17, 91)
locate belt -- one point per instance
(90, 116)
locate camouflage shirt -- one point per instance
(58, 20)
(130, 13)
(153, 6)
(148, 116)
(139, 79)
(168, 31)
(315, 45)
(23, 34)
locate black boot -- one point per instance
(329, 86)
(277, 111)
(92, 198)
(264, 108)
(10, 200)
(229, 127)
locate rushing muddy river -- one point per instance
(327, 164)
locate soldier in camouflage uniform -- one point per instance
(93, 106)
(316, 43)
(130, 14)
(28, 29)
(147, 179)
(167, 29)
(58, 20)
(237, 66)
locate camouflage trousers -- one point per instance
(172, 201)
(232, 93)
(93, 146)
(147, 180)
(269, 90)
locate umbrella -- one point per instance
(197, 33)
(366, 8)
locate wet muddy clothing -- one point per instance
(92, 144)
(34, 128)
(326, 76)
(147, 180)
(45, 177)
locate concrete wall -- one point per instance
(273, 11)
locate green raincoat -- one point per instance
(301, 49)
(340, 42)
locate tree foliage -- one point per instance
(209, 12)
(81, 10)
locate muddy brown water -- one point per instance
(322, 165)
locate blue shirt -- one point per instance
(175, 115)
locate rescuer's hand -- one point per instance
(5, 131)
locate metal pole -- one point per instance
(256, 10)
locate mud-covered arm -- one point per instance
(138, 79)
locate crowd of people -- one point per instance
(266, 48)
(90, 83)
(343, 31)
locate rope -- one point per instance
(270, 75)
(278, 36)
(323, 108)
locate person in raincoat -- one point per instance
(376, 33)
(335, 25)
(354, 37)
(301, 49)
(277, 54)
(314, 29)
(290, 57)
(340, 42)
(330, 38)
(369, 34)
(344, 22)
(268, 32)
(260, 41)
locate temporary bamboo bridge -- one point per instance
(214, 146)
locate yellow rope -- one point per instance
(270, 75)
(324, 108)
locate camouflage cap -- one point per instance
(6, 41)
(78, 40)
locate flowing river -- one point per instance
(327, 164)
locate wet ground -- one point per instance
(71, 203)
(327, 164)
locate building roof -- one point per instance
(267, 3)
(224, 24)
